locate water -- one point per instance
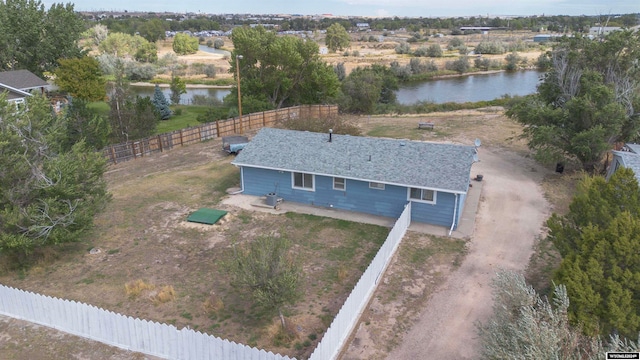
(470, 88)
(185, 99)
(213, 50)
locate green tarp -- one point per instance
(206, 216)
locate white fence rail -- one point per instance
(348, 316)
(151, 338)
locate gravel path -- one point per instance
(510, 217)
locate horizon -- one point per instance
(373, 8)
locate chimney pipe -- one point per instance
(330, 133)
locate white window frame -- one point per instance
(376, 185)
(435, 195)
(344, 184)
(313, 181)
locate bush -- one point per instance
(513, 60)
(490, 47)
(421, 51)
(401, 72)
(403, 48)
(434, 51)
(454, 44)
(218, 43)
(136, 71)
(461, 65)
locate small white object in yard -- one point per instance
(94, 251)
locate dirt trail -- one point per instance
(510, 217)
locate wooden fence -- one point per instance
(191, 135)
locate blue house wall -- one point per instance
(357, 196)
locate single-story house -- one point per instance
(20, 83)
(371, 175)
(628, 157)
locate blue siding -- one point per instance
(357, 196)
(440, 213)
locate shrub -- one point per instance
(461, 65)
(490, 47)
(218, 43)
(403, 48)
(434, 51)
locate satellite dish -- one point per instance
(478, 143)
(475, 157)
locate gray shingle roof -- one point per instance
(632, 161)
(391, 161)
(22, 80)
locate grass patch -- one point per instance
(164, 295)
(394, 131)
(188, 116)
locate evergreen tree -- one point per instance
(49, 192)
(599, 240)
(161, 103)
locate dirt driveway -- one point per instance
(511, 213)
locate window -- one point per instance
(375, 185)
(339, 183)
(303, 181)
(422, 195)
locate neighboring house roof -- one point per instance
(630, 160)
(634, 148)
(13, 93)
(444, 167)
(23, 80)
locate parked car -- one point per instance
(234, 144)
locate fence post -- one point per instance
(113, 155)
(181, 143)
(160, 142)
(133, 148)
(217, 128)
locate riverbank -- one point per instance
(189, 86)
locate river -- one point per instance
(469, 88)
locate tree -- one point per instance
(97, 34)
(81, 78)
(184, 44)
(280, 70)
(131, 117)
(152, 30)
(365, 87)
(84, 124)
(599, 240)
(49, 194)
(267, 270)
(337, 38)
(525, 326)
(586, 102)
(147, 53)
(121, 44)
(34, 39)
(161, 103)
(178, 87)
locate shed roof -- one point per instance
(22, 80)
(437, 166)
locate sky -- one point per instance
(368, 8)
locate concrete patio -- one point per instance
(259, 203)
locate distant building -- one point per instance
(362, 26)
(542, 38)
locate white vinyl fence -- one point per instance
(333, 340)
(151, 338)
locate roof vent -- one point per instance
(402, 143)
(330, 133)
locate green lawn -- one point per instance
(187, 116)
